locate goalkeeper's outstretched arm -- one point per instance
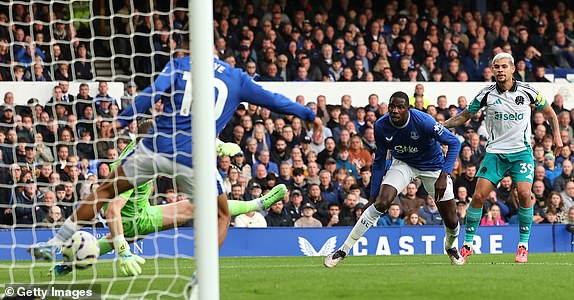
(129, 263)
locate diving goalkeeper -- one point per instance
(132, 215)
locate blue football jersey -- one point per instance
(172, 133)
(417, 143)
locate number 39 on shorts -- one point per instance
(527, 168)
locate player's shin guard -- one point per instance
(237, 207)
(451, 235)
(65, 232)
(105, 246)
(367, 219)
(524, 223)
(473, 216)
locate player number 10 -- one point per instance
(222, 92)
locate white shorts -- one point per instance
(143, 165)
(400, 175)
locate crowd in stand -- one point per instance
(36, 44)
(52, 155)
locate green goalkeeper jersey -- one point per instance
(138, 198)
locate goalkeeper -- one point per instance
(131, 213)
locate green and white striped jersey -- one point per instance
(508, 115)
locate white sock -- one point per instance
(450, 236)
(523, 244)
(367, 219)
(65, 232)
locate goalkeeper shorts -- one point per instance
(148, 220)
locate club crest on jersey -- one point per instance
(414, 135)
(519, 100)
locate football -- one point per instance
(81, 250)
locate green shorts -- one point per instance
(149, 220)
(520, 166)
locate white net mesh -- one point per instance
(78, 65)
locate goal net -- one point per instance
(68, 68)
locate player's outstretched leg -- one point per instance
(447, 210)
(277, 193)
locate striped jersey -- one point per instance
(508, 115)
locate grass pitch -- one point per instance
(546, 276)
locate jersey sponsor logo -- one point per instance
(406, 149)
(508, 117)
(414, 135)
(519, 100)
(326, 249)
(438, 128)
(389, 139)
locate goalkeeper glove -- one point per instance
(129, 262)
(226, 149)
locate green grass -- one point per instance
(487, 277)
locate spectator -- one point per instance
(236, 192)
(26, 203)
(413, 218)
(409, 202)
(264, 159)
(430, 212)
(570, 216)
(344, 162)
(278, 216)
(475, 63)
(103, 100)
(63, 72)
(333, 218)
(564, 177)
(44, 209)
(556, 204)
(563, 51)
(392, 217)
(307, 220)
(299, 181)
(294, 206)
(468, 179)
(492, 217)
(552, 170)
(251, 219)
(568, 195)
(358, 156)
(347, 217)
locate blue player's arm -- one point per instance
(253, 93)
(445, 137)
(379, 164)
(148, 96)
